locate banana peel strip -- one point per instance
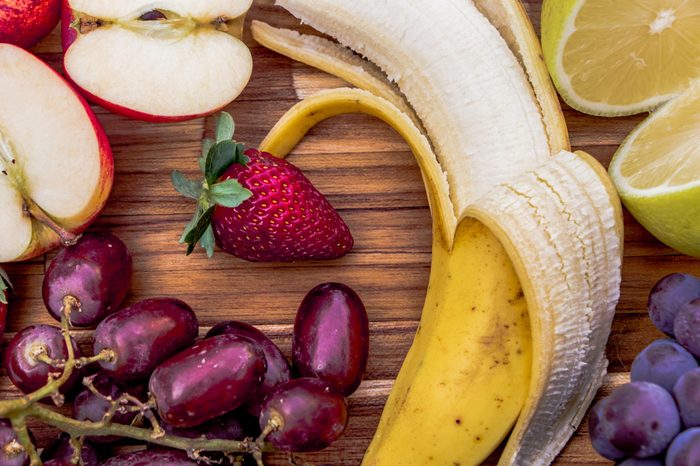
(333, 58)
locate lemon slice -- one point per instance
(620, 57)
(657, 172)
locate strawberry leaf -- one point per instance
(207, 241)
(229, 193)
(4, 286)
(198, 228)
(225, 127)
(185, 186)
(221, 156)
(206, 147)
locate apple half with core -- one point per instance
(56, 166)
(26, 22)
(168, 60)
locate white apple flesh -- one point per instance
(56, 164)
(157, 61)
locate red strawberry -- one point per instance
(261, 208)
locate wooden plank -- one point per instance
(367, 172)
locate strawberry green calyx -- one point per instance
(5, 286)
(217, 156)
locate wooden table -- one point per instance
(369, 175)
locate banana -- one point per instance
(539, 254)
(473, 346)
(492, 117)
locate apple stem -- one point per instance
(33, 209)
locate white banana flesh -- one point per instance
(457, 73)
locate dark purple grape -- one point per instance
(687, 327)
(638, 419)
(277, 366)
(11, 452)
(236, 425)
(687, 395)
(88, 406)
(25, 371)
(215, 376)
(97, 271)
(310, 414)
(685, 449)
(59, 462)
(662, 363)
(331, 337)
(144, 335)
(642, 462)
(668, 295)
(61, 450)
(151, 458)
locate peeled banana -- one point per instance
(491, 116)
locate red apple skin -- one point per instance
(26, 22)
(46, 240)
(70, 35)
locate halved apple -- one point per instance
(56, 166)
(163, 60)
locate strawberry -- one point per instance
(258, 207)
(5, 287)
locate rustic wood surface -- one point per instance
(369, 175)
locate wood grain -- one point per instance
(369, 175)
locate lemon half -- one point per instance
(657, 172)
(621, 57)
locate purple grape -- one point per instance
(685, 449)
(642, 462)
(662, 363)
(597, 432)
(11, 452)
(144, 335)
(310, 414)
(277, 366)
(97, 271)
(687, 327)
(668, 295)
(151, 458)
(215, 376)
(638, 419)
(236, 425)
(61, 450)
(687, 395)
(25, 371)
(88, 406)
(331, 337)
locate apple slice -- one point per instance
(167, 60)
(55, 161)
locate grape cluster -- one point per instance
(655, 419)
(148, 368)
